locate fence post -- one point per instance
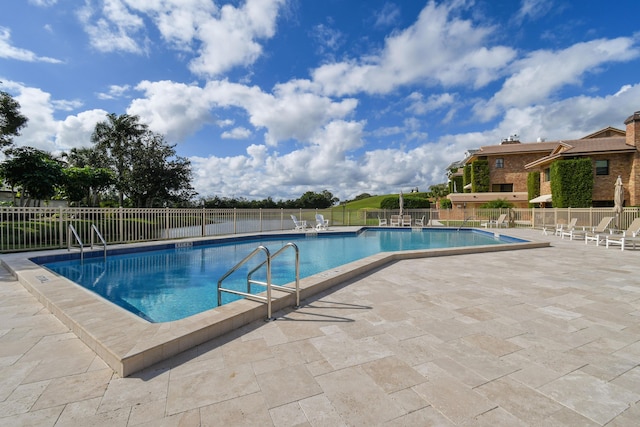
(204, 227)
(61, 227)
(261, 220)
(120, 225)
(235, 230)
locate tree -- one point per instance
(34, 171)
(311, 200)
(113, 138)
(85, 183)
(11, 121)
(156, 175)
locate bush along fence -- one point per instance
(29, 228)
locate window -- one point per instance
(602, 167)
(502, 188)
(547, 175)
(499, 163)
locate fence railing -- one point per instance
(30, 228)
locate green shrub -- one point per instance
(466, 178)
(533, 185)
(572, 183)
(480, 176)
(445, 204)
(411, 201)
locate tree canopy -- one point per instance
(35, 172)
(11, 121)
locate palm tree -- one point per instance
(114, 137)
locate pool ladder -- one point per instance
(267, 284)
(71, 231)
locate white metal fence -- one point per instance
(23, 228)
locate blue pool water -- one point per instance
(170, 284)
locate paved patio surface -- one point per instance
(539, 337)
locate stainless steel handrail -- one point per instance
(278, 287)
(97, 232)
(248, 295)
(267, 283)
(71, 230)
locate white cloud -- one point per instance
(43, 3)
(111, 27)
(10, 52)
(115, 92)
(543, 72)
(76, 131)
(438, 49)
(387, 16)
(236, 133)
(533, 9)
(175, 110)
(418, 105)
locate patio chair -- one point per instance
(500, 222)
(598, 233)
(406, 220)
(382, 221)
(560, 227)
(299, 224)
(419, 222)
(395, 220)
(630, 235)
(321, 223)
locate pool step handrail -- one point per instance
(464, 222)
(96, 232)
(71, 231)
(295, 290)
(266, 299)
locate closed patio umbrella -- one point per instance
(401, 202)
(618, 200)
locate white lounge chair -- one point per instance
(299, 224)
(395, 220)
(562, 227)
(419, 222)
(598, 233)
(406, 220)
(630, 235)
(321, 223)
(382, 221)
(500, 222)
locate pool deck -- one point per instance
(547, 336)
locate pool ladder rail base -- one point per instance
(267, 284)
(71, 232)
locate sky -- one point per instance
(274, 98)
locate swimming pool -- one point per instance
(180, 281)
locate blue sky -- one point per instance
(279, 97)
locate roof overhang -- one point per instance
(488, 197)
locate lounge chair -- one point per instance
(321, 223)
(598, 233)
(419, 222)
(630, 235)
(299, 224)
(406, 220)
(395, 220)
(500, 222)
(561, 227)
(382, 221)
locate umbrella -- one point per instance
(401, 202)
(618, 199)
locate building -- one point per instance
(613, 153)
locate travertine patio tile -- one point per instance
(629, 379)
(493, 345)
(319, 411)
(448, 366)
(341, 351)
(357, 398)
(287, 385)
(146, 386)
(290, 414)
(427, 416)
(495, 418)
(247, 410)
(597, 400)
(74, 388)
(409, 400)
(84, 413)
(201, 390)
(41, 418)
(183, 419)
(454, 400)
(525, 403)
(392, 374)
(22, 398)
